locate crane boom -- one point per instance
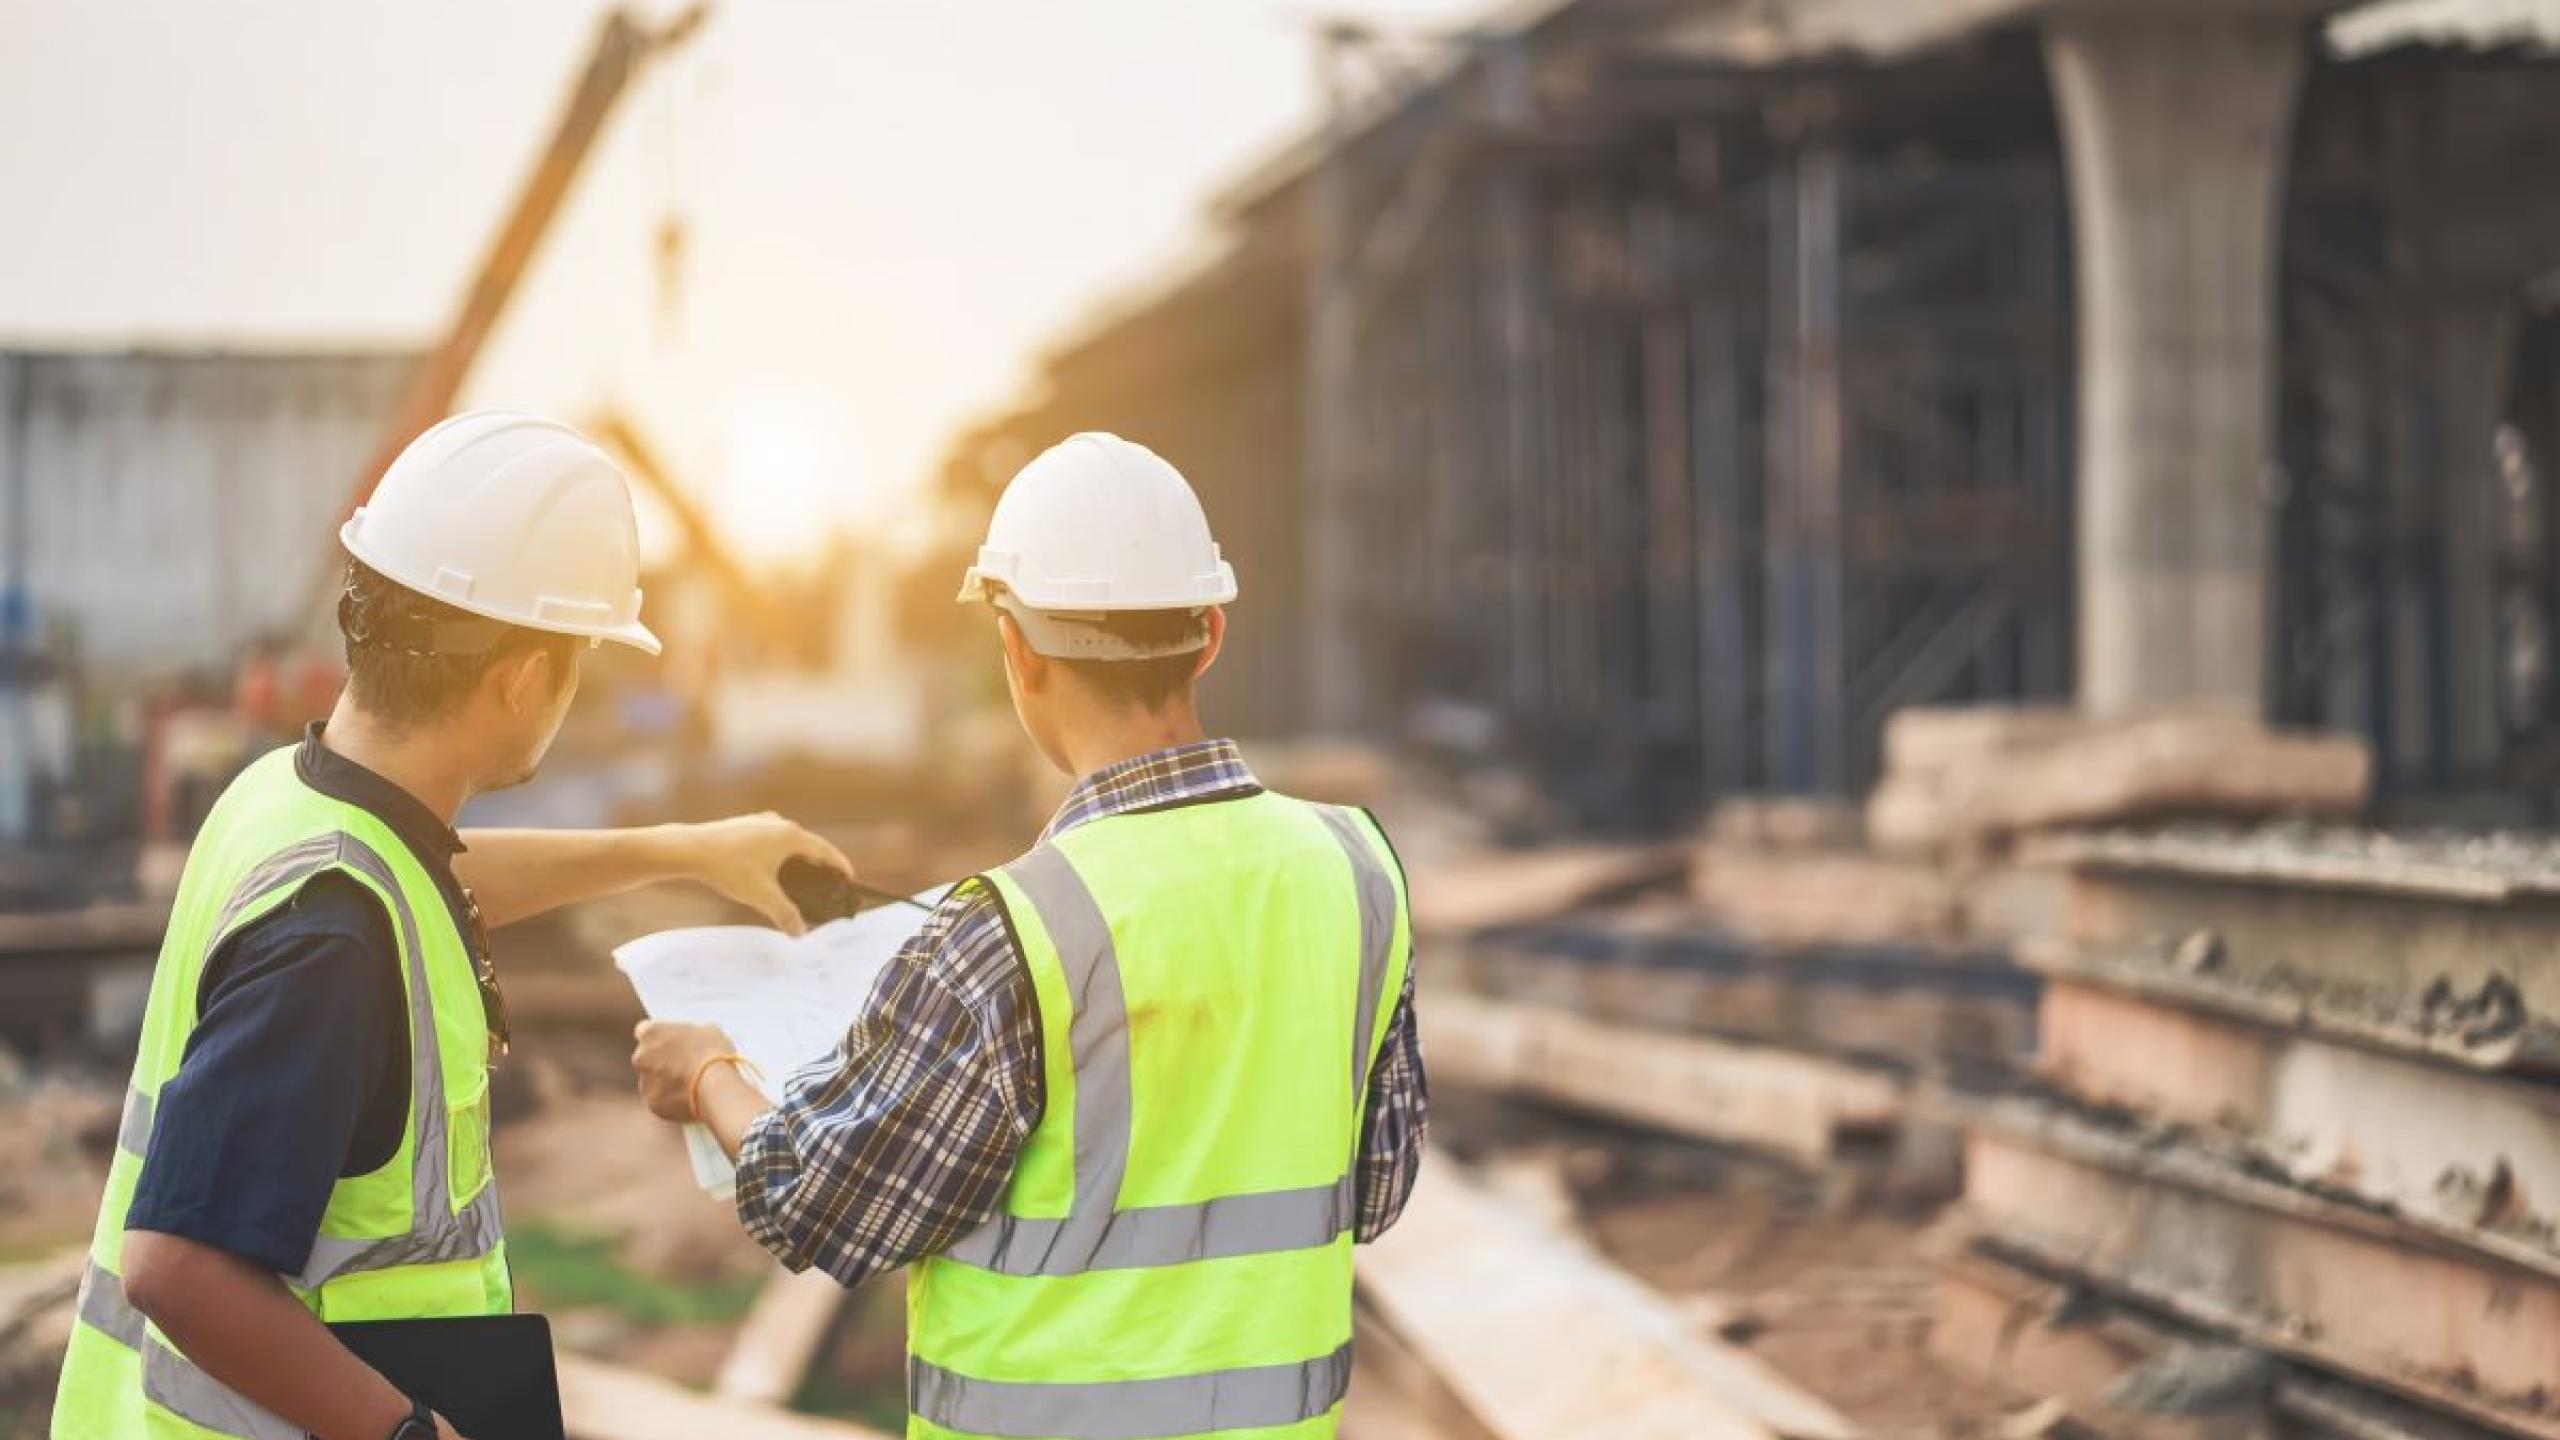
(623, 46)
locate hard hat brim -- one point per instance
(630, 632)
(1215, 588)
(636, 635)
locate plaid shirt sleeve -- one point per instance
(902, 1141)
(1396, 1125)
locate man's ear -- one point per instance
(1030, 667)
(1217, 618)
(525, 681)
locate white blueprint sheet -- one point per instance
(783, 1001)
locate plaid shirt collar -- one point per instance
(1193, 771)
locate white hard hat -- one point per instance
(1096, 524)
(513, 517)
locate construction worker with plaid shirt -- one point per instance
(1126, 1102)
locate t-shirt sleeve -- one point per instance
(249, 1137)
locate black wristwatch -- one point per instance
(418, 1424)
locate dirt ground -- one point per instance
(56, 1133)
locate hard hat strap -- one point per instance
(1087, 634)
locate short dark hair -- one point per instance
(1146, 684)
(401, 686)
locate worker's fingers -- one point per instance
(767, 899)
(808, 844)
(824, 852)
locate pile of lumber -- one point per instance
(1490, 889)
(1976, 777)
(1787, 1102)
(1927, 861)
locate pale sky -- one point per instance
(892, 205)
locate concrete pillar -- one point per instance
(1331, 698)
(2177, 123)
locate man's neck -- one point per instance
(1113, 736)
(415, 762)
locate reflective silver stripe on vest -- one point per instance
(467, 1235)
(298, 861)
(1246, 1399)
(169, 1379)
(1095, 1235)
(172, 1382)
(102, 1306)
(1098, 1047)
(133, 1135)
(1377, 934)
(1162, 1235)
(437, 1233)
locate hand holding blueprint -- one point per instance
(784, 1001)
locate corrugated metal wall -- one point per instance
(162, 508)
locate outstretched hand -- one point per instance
(742, 858)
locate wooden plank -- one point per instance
(2175, 764)
(1544, 1340)
(1395, 1395)
(773, 1349)
(1804, 897)
(1929, 739)
(607, 1402)
(1796, 1104)
(1785, 822)
(31, 1287)
(117, 926)
(1493, 888)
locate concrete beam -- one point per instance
(2028, 1336)
(2335, 929)
(2177, 127)
(1671, 971)
(2342, 1287)
(2413, 1133)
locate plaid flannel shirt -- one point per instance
(903, 1140)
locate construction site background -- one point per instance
(1950, 604)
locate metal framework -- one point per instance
(2417, 591)
(1653, 425)
(1711, 422)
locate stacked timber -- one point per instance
(1976, 778)
(1595, 978)
(2296, 1108)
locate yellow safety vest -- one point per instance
(418, 1237)
(1172, 1256)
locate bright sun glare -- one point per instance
(789, 476)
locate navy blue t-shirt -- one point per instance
(297, 1073)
